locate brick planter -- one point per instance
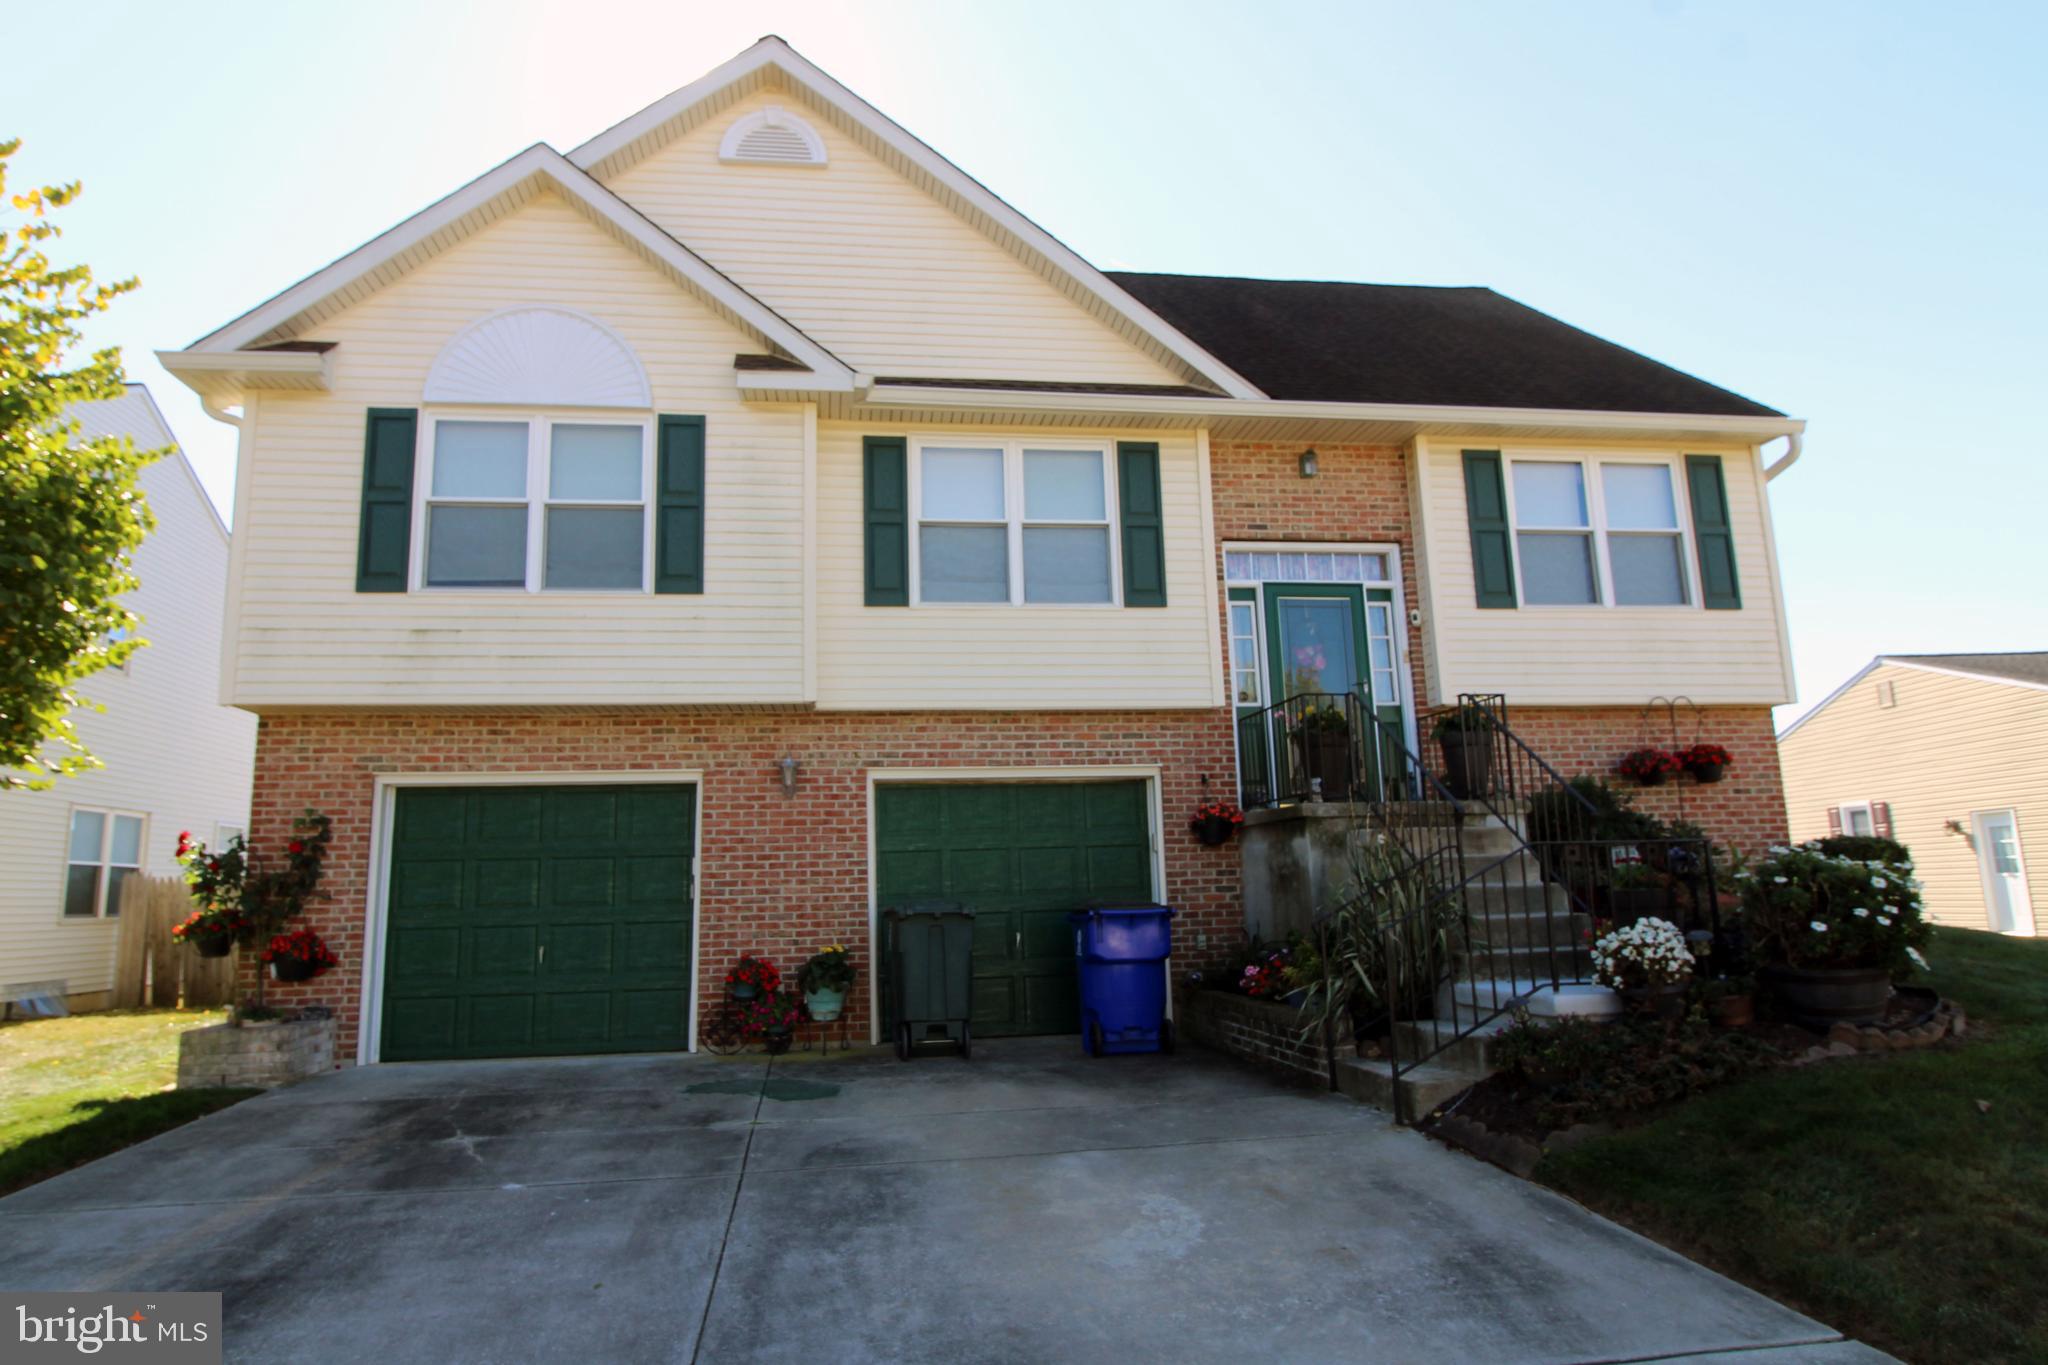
(1260, 1032)
(259, 1055)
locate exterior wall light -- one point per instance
(789, 767)
(1308, 463)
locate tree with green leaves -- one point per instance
(71, 513)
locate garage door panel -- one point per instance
(979, 872)
(536, 920)
(1052, 1002)
(1047, 871)
(910, 818)
(995, 1003)
(1113, 871)
(1046, 933)
(1045, 814)
(977, 814)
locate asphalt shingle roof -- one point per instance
(2030, 667)
(1380, 343)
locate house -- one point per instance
(687, 545)
(1948, 754)
(174, 758)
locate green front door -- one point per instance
(531, 921)
(1020, 855)
(1336, 638)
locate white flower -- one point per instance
(1782, 881)
(1862, 913)
(1918, 960)
(1818, 927)
(1879, 883)
(1885, 920)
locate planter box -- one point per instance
(258, 1056)
(1257, 1031)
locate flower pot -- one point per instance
(742, 991)
(293, 969)
(776, 1042)
(1326, 759)
(824, 1005)
(1705, 773)
(1733, 1011)
(1667, 1001)
(1654, 778)
(1468, 761)
(1214, 829)
(1856, 994)
(217, 945)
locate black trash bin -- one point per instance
(928, 954)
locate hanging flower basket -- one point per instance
(211, 933)
(1707, 763)
(1215, 821)
(1649, 767)
(299, 956)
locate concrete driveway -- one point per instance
(1029, 1205)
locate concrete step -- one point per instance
(1529, 962)
(1542, 928)
(1485, 994)
(1486, 837)
(1421, 1088)
(1491, 895)
(1434, 1041)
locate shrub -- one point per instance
(1588, 1071)
(1806, 908)
(1866, 848)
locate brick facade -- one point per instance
(779, 875)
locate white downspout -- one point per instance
(1794, 444)
(217, 412)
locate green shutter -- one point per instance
(1720, 589)
(1144, 530)
(679, 505)
(384, 532)
(886, 500)
(1486, 514)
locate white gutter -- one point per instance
(216, 412)
(926, 396)
(1794, 444)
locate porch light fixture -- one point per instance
(789, 767)
(1308, 463)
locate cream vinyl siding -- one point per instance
(870, 266)
(1950, 746)
(992, 656)
(1597, 655)
(307, 638)
(172, 753)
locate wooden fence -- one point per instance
(151, 967)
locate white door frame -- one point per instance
(2022, 906)
(384, 808)
(1154, 815)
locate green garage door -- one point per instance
(529, 921)
(1020, 855)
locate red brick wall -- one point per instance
(1745, 809)
(779, 875)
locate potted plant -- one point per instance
(1322, 736)
(1706, 762)
(1648, 767)
(1831, 933)
(752, 976)
(1465, 739)
(299, 956)
(1636, 890)
(1215, 821)
(824, 980)
(1731, 1001)
(772, 1017)
(211, 932)
(1649, 963)
(256, 898)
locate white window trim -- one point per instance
(1014, 519)
(540, 425)
(1590, 464)
(1258, 659)
(1867, 807)
(140, 866)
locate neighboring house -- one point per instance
(175, 758)
(1948, 754)
(687, 545)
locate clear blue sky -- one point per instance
(1838, 209)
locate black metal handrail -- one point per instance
(1315, 746)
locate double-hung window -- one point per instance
(537, 504)
(105, 850)
(1590, 533)
(1014, 522)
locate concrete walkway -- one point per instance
(1028, 1205)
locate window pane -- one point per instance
(126, 848)
(596, 463)
(88, 827)
(1066, 564)
(81, 889)
(1646, 571)
(1556, 569)
(1063, 485)
(963, 485)
(476, 547)
(1237, 566)
(1858, 820)
(117, 877)
(1549, 494)
(1639, 497)
(964, 563)
(480, 459)
(594, 547)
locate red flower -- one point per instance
(296, 846)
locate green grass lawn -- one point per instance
(72, 1090)
(1878, 1194)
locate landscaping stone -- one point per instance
(259, 1056)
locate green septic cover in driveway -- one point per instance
(538, 920)
(1019, 855)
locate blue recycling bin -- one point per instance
(1121, 952)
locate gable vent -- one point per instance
(772, 136)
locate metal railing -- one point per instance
(1318, 746)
